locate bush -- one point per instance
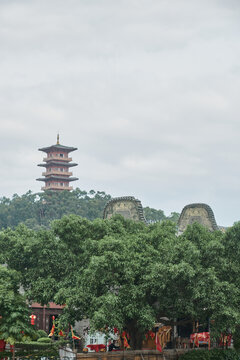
(26, 339)
(195, 355)
(36, 346)
(34, 336)
(44, 340)
(42, 334)
(34, 349)
(215, 354)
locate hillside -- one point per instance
(39, 209)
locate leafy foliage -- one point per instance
(40, 349)
(42, 334)
(44, 340)
(125, 274)
(38, 210)
(14, 321)
(215, 354)
(153, 215)
(236, 338)
(212, 290)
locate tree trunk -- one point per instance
(13, 353)
(136, 336)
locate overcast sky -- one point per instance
(147, 90)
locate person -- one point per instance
(113, 346)
(66, 353)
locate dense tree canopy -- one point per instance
(124, 274)
(14, 320)
(38, 210)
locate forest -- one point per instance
(38, 210)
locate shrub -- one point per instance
(42, 334)
(195, 355)
(215, 354)
(35, 346)
(34, 336)
(44, 340)
(26, 339)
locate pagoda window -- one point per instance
(61, 169)
(61, 155)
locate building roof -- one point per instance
(56, 177)
(57, 147)
(55, 162)
(51, 305)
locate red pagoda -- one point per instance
(57, 164)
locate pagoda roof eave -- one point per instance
(61, 163)
(57, 147)
(55, 177)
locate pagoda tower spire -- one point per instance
(57, 163)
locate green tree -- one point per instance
(121, 273)
(18, 209)
(14, 321)
(153, 215)
(216, 295)
(174, 217)
(41, 260)
(38, 210)
(230, 272)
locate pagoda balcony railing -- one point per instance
(68, 159)
(57, 172)
(57, 187)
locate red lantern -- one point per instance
(32, 317)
